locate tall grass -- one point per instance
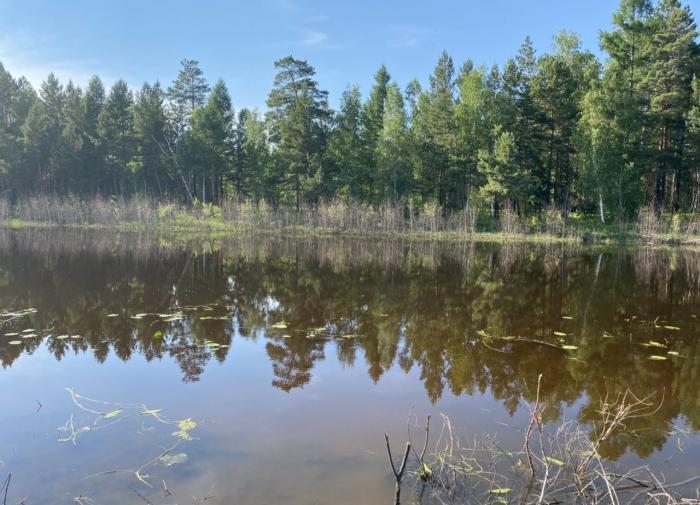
(336, 216)
(341, 217)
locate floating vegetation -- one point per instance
(6, 316)
(104, 414)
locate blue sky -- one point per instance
(238, 41)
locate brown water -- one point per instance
(295, 356)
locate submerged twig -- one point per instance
(398, 474)
(6, 487)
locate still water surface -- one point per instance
(293, 357)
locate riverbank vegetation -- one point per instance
(557, 464)
(556, 137)
(343, 218)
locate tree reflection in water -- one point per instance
(471, 317)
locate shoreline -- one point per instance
(220, 229)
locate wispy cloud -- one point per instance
(314, 38)
(311, 38)
(407, 36)
(29, 56)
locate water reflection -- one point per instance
(470, 317)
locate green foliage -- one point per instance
(554, 131)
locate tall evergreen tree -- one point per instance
(673, 58)
(393, 155)
(187, 93)
(372, 124)
(298, 118)
(345, 147)
(149, 164)
(116, 136)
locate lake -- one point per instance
(266, 370)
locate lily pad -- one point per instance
(173, 459)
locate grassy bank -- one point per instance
(339, 218)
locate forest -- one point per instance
(563, 130)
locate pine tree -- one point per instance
(554, 94)
(393, 156)
(439, 171)
(693, 144)
(298, 119)
(149, 164)
(187, 93)
(372, 124)
(92, 155)
(475, 119)
(506, 184)
(16, 99)
(345, 147)
(673, 57)
(116, 137)
(42, 133)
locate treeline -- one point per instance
(560, 130)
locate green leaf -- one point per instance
(501, 490)
(158, 334)
(174, 459)
(113, 413)
(186, 425)
(555, 461)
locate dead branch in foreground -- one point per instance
(557, 465)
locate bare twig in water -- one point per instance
(558, 464)
(143, 498)
(5, 487)
(398, 474)
(425, 472)
(166, 491)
